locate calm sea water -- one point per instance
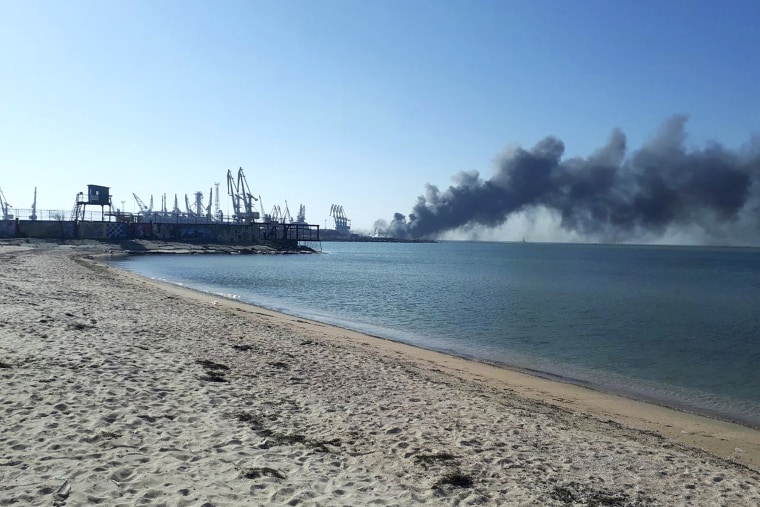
(675, 325)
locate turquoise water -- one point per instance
(675, 325)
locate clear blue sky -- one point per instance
(357, 103)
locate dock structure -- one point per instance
(196, 224)
(120, 226)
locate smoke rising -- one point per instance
(662, 187)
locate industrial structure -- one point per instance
(33, 216)
(5, 207)
(342, 226)
(242, 198)
(96, 196)
(200, 220)
(301, 217)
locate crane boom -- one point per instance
(242, 198)
(341, 220)
(5, 206)
(141, 205)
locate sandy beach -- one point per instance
(117, 390)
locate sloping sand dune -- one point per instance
(119, 391)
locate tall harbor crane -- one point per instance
(210, 201)
(341, 221)
(264, 215)
(276, 214)
(286, 216)
(5, 206)
(301, 217)
(176, 211)
(33, 216)
(189, 208)
(242, 199)
(141, 205)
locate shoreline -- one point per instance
(597, 385)
(546, 385)
(120, 389)
(601, 388)
(688, 428)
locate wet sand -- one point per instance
(117, 390)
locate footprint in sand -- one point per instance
(122, 475)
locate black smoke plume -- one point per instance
(607, 195)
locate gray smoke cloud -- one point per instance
(608, 195)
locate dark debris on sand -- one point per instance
(456, 479)
(574, 494)
(215, 372)
(428, 459)
(255, 473)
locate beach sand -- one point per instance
(117, 390)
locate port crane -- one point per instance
(217, 211)
(176, 211)
(141, 205)
(189, 208)
(264, 215)
(286, 216)
(341, 221)
(5, 206)
(301, 217)
(242, 199)
(276, 214)
(211, 200)
(33, 216)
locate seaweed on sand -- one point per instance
(586, 495)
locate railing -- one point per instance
(93, 214)
(55, 215)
